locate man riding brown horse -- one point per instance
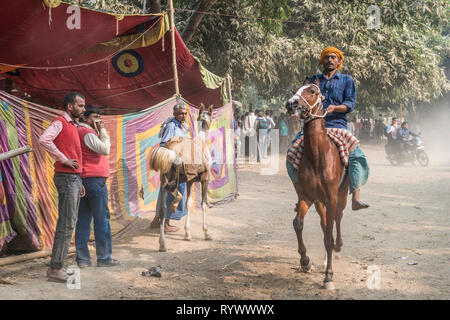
(339, 94)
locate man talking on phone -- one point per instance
(95, 147)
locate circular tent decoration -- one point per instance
(128, 63)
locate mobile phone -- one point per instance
(95, 124)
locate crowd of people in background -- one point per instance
(259, 123)
(368, 130)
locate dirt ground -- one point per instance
(253, 255)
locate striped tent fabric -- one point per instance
(344, 141)
(30, 210)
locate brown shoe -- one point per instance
(357, 205)
(57, 275)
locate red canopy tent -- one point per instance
(127, 72)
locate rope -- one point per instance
(126, 92)
(87, 63)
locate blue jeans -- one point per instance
(180, 212)
(94, 205)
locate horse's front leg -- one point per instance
(342, 202)
(323, 224)
(162, 218)
(331, 208)
(302, 209)
(339, 242)
(205, 208)
(189, 204)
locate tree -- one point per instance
(271, 45)
(399, 62)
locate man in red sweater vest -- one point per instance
(95, 146)
(61, 141)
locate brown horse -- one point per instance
(184, 159)
(322, 177)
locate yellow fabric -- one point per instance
(329, 50)
(137, 40)
(52, 3)
(4, 69)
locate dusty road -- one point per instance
(405, 233)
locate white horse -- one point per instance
(184, 159)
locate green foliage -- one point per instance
(398, 63)
(401, 62)
(270, 46)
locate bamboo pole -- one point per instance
(14, 153)
(30, 256)
(229, 88)
(174, 49)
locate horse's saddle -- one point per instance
(345, 142)
(194, 154)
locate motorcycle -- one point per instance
(413, 150)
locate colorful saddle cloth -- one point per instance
(344, 141)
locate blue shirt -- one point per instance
(172, 129)
(339, 89)
(404, 133)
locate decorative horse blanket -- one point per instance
(344, 141)
(194, 154)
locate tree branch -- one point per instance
(155, 6)
(195, 19)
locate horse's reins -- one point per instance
(311, 116)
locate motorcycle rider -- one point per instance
(391, 133)
(403, 137)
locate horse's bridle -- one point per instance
(205, 116)
(309, 115)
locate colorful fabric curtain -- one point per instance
(30, 210)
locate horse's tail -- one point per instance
(161, 159)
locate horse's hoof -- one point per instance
(187, 238)
(162, 249)
(306, 267)
(337, 249)
(208, 237)
(329, 285)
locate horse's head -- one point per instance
(205, 117)
(307, 100)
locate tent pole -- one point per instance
(14, 153)
(174, 49)
(30, 256)
(229, 87)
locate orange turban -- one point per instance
(329, 50)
